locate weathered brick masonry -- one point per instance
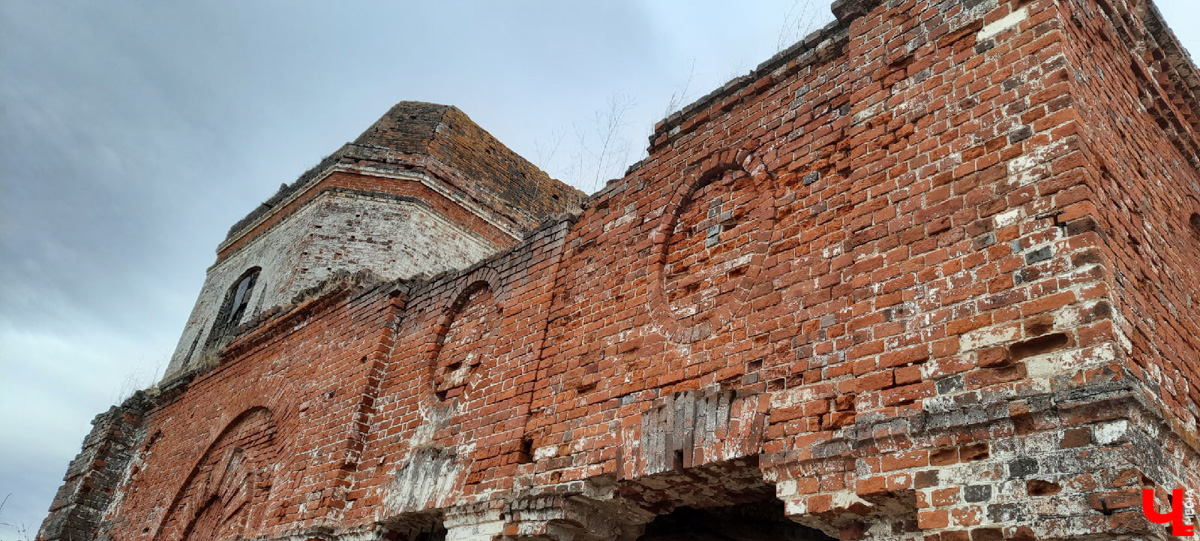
(928, 275)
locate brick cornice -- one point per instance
(848, 10)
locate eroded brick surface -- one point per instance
(924, 276)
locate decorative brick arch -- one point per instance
(751, 220)
(225, 493)
(477, 296)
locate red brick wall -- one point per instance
(1142, 168)
(289, 397)
(929, 314)
(1142, 165)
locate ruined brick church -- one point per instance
(930, 274)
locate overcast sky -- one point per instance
(133, 134)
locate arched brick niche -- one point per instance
(466, 333)
(711, 242)
(224, 496)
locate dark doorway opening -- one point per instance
(438, 534)
(760, 521)
(416, 527)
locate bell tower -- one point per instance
(422, 191)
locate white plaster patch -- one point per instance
(1022, 163)
(1025, 170)
(740, 261)
(1053, 364)
(629, 216)
(1041, 443)
(800, 395)
(795, 508)
(844, 499)
(988, 336)
(1030, 167)
(481, 531)
(940, 404)
(1109, 433)
(1044, 366)
(1006, 219)
(928, 369)
(549, 451)
(1072, 316)
(1026, 177)
(686, 311)
(426, 481)
(1012, 19)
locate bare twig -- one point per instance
(22, 530)
(595, 149)
(610, 123)
(680, 97)
(797, 23)
(546, 150)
